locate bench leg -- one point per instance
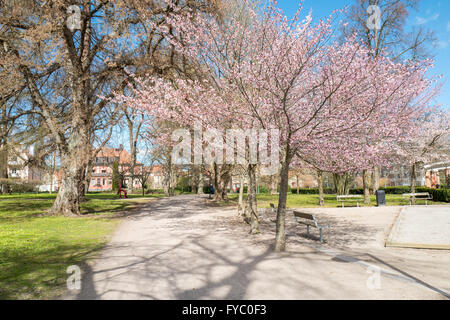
(342, 204)
(307, 230)
(357, 204)
(321, 235)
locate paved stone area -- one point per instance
(422, 227)
(183, 248)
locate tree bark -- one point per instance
(68, 199)
(346, 183)
(273, 184)
(241, 195)
(251, 207)
(221, 180)
(3, 166)
(320, 183)
(338, 185)
(413, 182)
(280, 237)
(375, 179)
(366, 178)
(173, 181)
(200, 181)
(298, 184)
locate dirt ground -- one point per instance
(183, 248)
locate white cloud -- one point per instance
(421, 20)
(443, 44)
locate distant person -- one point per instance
(211, 191)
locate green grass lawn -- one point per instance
(312, 200)
(36, 250)
(92, 195)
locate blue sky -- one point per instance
(433, 15)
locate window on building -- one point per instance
(104, 171)
(98, 181)
(109, 182)
(104, 181)
(93, 182)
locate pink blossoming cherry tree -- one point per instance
(333, 104)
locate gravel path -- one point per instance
(183, 248)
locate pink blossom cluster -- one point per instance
(336, 107)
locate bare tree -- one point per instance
(83, 50)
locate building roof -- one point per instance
(122, 154)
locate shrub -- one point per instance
(357, 191)
(19, 185)
(439, 195)
(397, 190)
(184, 189)
(312, 191)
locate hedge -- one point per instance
(19, 186)
(439, 195)
(312, 191)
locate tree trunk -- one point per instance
(73, 166)
(221, 180)
(133, 163)
(346, 183)
(366, 183)
(280, 237)
(273, 184)
(89, 168)
(298, 184)
(241, 195)
(339, 183)
(173, 182)
(82, 185)
(375, 179)
(52, 171)
(3, 166)
(413, 182)
(200, 181)
(68, 199)
(320, 183)
(251, 208)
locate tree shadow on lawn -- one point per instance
(19, 210)
(42, 275)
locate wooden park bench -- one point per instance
(310, 221)
(419, 196)
(351, 197)
(273, 213)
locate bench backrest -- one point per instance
(349, 196)
(423, 194)
(303, 215)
